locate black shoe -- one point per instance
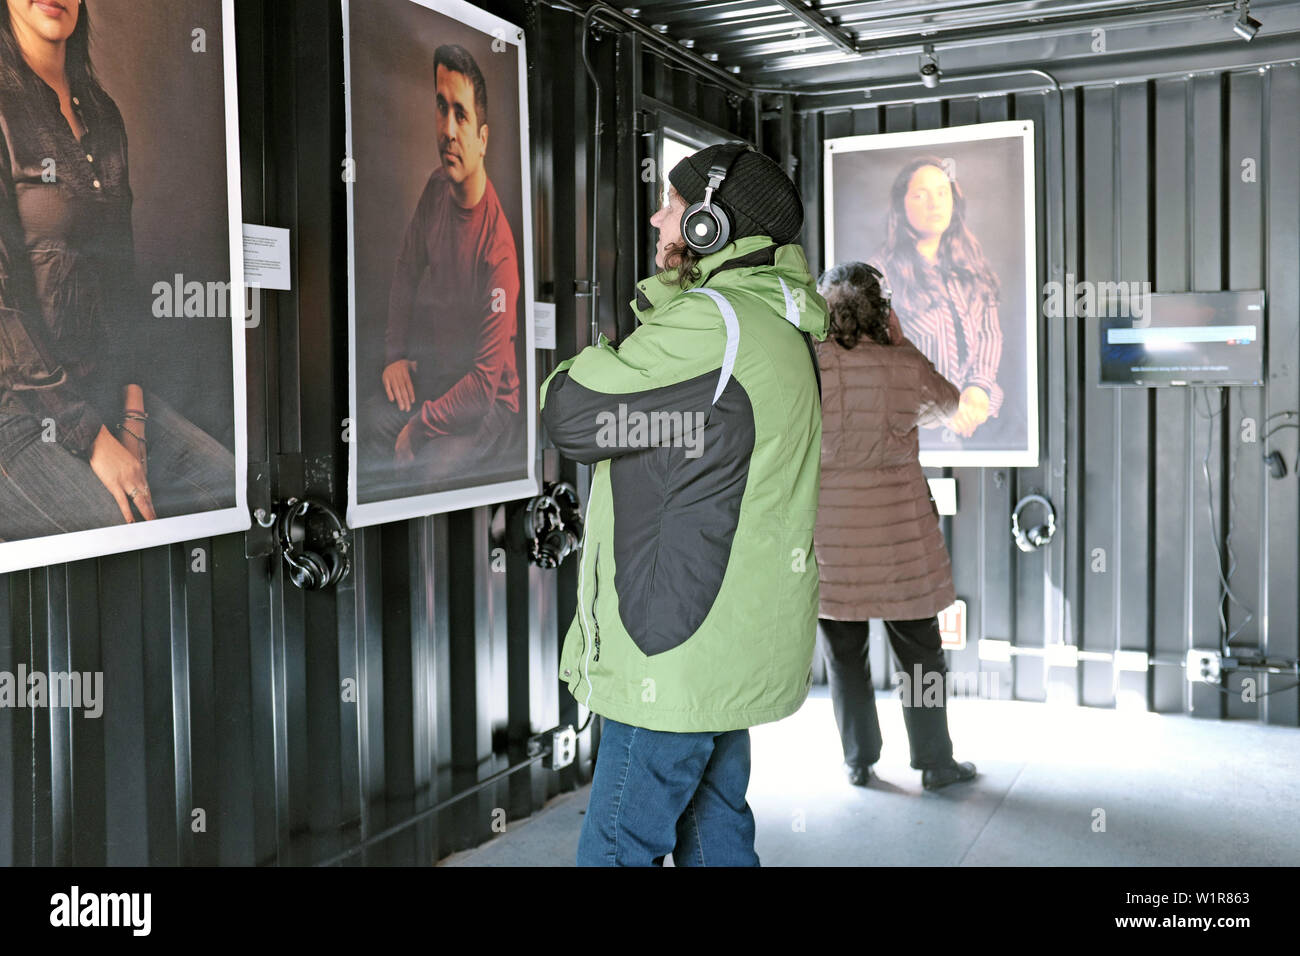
(953, 773)
(858, 776)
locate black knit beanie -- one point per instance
(757, 194)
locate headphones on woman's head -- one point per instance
(885, 292)
(706, 228)
(310, 569)
(1039, 535)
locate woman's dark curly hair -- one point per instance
(680, 256)
(858, 309)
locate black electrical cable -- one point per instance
(598, 129)
(1205, 469)
(1277, 428)
(1225, 637)
(1267, 693)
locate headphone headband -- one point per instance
(723, 161)
(706, 227)
(886, 292)
(1039, 535)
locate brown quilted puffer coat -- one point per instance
(880, 551)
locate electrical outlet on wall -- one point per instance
(1204, 666)
(564, 747)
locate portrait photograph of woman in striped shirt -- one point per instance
(944, 290)
(947, 216)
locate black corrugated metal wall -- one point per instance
(224, 686)
(224, 690)
(1154, 191)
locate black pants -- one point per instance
(848, 669)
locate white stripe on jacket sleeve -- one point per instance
(733, 337)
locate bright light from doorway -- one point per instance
(674, 151)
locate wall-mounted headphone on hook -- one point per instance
(1039, 535)
(313, 540)
(549, 526)
(706, 227)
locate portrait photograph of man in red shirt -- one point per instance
(440, 395)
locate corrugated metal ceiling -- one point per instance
(793, 42)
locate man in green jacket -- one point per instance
(697, 593)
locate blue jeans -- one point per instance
(656, 792)
(47, 490)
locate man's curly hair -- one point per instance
(857, 308)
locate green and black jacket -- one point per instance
(697, 595)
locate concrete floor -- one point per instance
(1175, 791)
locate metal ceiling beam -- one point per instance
(984, 21)
(852, 16)
(903, 43)
(669, 47)
(949, 84)
(769, 27)
(753, 56)
(813, 17)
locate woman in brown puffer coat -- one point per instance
(880, 552)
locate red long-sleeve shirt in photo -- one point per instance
(454, 308)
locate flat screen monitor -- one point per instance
(1187, 338)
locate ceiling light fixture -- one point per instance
(930, 68)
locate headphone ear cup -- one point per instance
(339, 567)
(1039, 535)
(331, 564)
(308, 571)
(705, 229)
(338, 552)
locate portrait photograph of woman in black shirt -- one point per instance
(85, 441)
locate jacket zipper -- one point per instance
(586, 647)
(595, 593)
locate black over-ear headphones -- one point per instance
(1039, 535)
(298, 535)
(706, 228)
(550, 526)
(885, 292)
